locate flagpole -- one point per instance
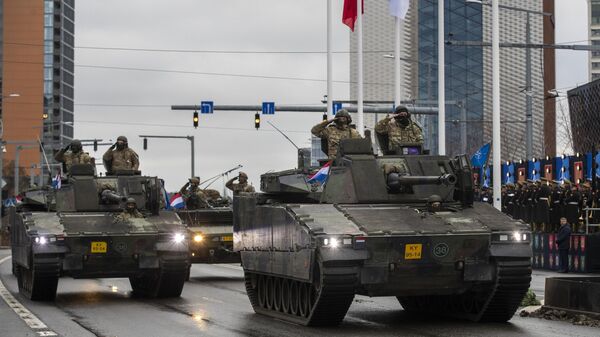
(329, 58)
(441, 81)
(397, 65)
(359, 97)
(496, 104)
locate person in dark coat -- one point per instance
(563, 241)
(543, 205)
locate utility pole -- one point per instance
(190, 138)
(17, 157)
(528, 94)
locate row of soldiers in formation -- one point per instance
(543, 203)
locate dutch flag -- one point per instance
(57, 181)
(321, 175)
(176, 201)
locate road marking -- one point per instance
(230, 266)
(24, 314)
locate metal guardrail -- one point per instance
(587, 219)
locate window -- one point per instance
(48, 47)
(47, 87)
(48, 74)
(69, 13)
(595, 32)
(68, 25)
(48, 33)
(48, 20)
(595, 65)
(48, 7)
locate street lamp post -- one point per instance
(17, 158)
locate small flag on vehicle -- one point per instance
(176, 201)
(321, 175)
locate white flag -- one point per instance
(399, 8)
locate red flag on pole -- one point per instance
(350, 12)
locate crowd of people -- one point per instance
(543, 203)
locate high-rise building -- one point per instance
(594, 34)
(38, 53)
(468, 70)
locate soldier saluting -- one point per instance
(241, 185)
(121, 157)
(400, 128)
(335, 133)
(73, 154)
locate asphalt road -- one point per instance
(214, 303)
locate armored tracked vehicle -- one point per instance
(210, 235)
(398, 225)
(88, 237)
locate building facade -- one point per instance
(584, 109)
(38, 54)
(594, 36)
(468, 71)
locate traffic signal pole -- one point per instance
(190, 138)
(415, 110)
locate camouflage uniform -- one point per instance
(129, 212)
(70, 158)
(126, 215)
(241, 186)
(194, 198)
(125, 159)
(334, 135)
(399, 134)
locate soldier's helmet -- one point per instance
(434, 198)
(242, 174)
(76, 145)
(402, 108)
(195, 180)
(344, 113)
(130, 201)
(122, 138)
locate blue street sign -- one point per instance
(268, 108)
(337, 106)
(207, 107)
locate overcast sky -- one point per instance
(224, 139)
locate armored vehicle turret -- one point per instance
(402, 225)
(89, 235)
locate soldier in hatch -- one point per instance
(334, 133)
(73, 154)
(241, 186)
(400, 128)
(193, 196)
(121, 157)
(129, 212)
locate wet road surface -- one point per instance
(214, 303)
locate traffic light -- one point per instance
(196, 119)
(95, 145)
(325, 116)
(257, 120)
(145, 143)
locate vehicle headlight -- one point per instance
(515, 236)
(178, 238)
(41, 240)
(198, 238)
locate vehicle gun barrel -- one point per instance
(446, 179)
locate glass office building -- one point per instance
(464, 74)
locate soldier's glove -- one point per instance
(113, 146)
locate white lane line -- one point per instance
(230, 266)
(24, 314)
